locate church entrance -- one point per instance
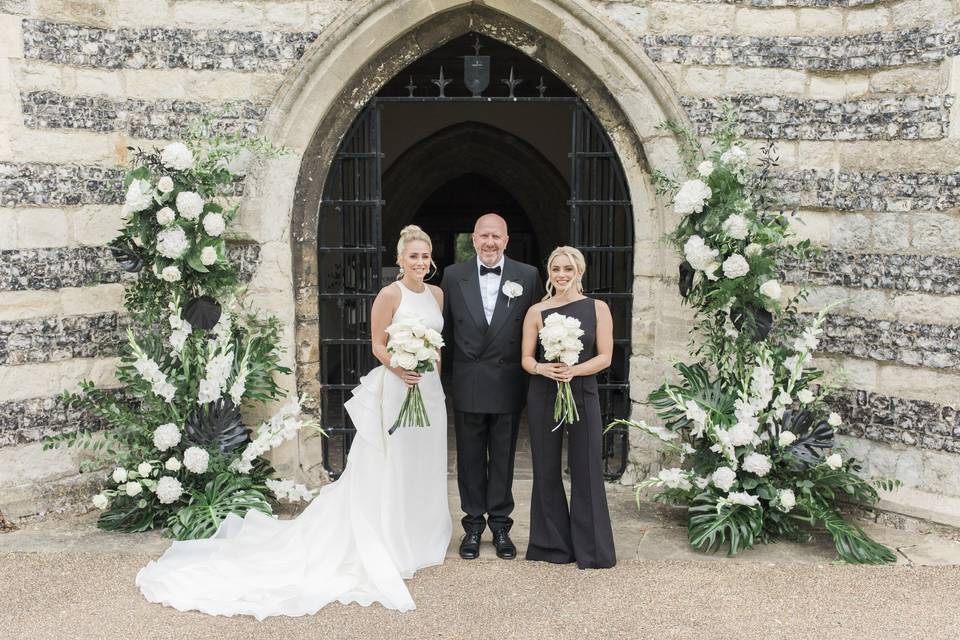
(472, 127)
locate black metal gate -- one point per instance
(349, 265)
(601, 227)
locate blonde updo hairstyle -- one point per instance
(579, 264)
(410, 233)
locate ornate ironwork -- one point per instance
(542, 88)
(511, 82)
(442, 83)
(411, 87)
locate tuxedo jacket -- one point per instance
(486, 372)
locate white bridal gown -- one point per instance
(384, 518)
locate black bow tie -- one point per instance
(485, 270)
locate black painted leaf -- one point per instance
(813, 437)
(755, 321)
(686, 278)
(126, 255)
(217, 423)
(202, 313)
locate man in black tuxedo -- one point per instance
(485, 301)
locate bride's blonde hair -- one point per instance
(410, 233)
(579, 264)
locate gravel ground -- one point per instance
(92, 595)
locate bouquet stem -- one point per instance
(564, 408)
(413, 413)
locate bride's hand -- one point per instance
(410, 378)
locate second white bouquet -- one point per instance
(560, 337)
(413, 347)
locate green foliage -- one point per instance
(711, 526)
(852, 544)
(204, 512)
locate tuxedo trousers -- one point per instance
(486, 448)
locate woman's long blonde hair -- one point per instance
(410, 233)
(576, 259)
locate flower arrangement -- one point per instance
(748, 420)
(560, 338)
(413, 347)
(180, 454)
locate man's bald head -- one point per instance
(490, 238)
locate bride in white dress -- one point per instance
(384, 518)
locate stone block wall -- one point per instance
(859, 94)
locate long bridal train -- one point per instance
(384, 518)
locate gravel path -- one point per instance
(92, 595)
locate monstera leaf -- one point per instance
(735, 525)
(813, 437)
(697, 385)
(217, 423)
(686, 278)
(227, 493)
(202, 313)
(756, 321)
(126, 255)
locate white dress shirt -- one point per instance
(490, 289)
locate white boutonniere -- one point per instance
(511, 290)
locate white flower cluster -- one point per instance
(289, 490)
(412, 343)
(208, 255)
(169, 490)
(172, 243)
(177, 156)
(735, 266)
(166, 436)
(165, 216)
(189, 204)
(692, 197)
(284, 425)
(701, 257)
(736, 227)
(139, 196)
(150, 371)
(196, 460)
(214, 224)
(697, 415)
(808, 340)
(214, 383)
(735, 158)
(675, 478)
(560, 337)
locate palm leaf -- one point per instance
(852, 543)
(735, 525)
(225, 494)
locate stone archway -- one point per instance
(369, 44)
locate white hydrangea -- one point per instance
(196, 460)
(139, 196)
(691, 197)
(169, 490)
(165, 216)
(834, 419)
(165, 184)
(786, 438)
(834, 461)
(172, 464)
(101, 501)
(744, 498)
(700, 256)
(735, 266)
(787, 500)
(240, 163)
(119, 475)
(734, 156)
(172, 243)
(208, 255)
(705, 168)
(189, 204)
(177, 156)
(166, 436)
(753, 249)
(736, 227)
(170, 274)
(144, 469)
(757, 464)
(214, 224)
(742, 433)
(723, 478)
(805, 396)
(675, 478)
(771, 289)
(133, 488)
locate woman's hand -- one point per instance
(410, 378)
(555, 371)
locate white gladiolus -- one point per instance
(786, 438)
(172, 464)
(787, 500)
(289, 490)
(705, 168)
(196, 460)
(119, 475)
(691, 197)
(771, 289)
(675, 478)
(189, 204)
(166, 436)
(834, 461)
(177, 156)
(208, 391)
(723, 478)
(172, 243)
(133, 488)
(214, 224)
(165, 390)
(744, 498)
(100, 501)
(757, 464)
(144, 469)
(735, 266)
(170, 274)
(169, 490)
(139, 196)
(805, 396)
(165, 216)
(208, 255)
(834, 420)
(734, 156)
(165, 184)
(736, 227)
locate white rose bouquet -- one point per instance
(414, 347)
(560, 337)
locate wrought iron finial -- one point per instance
(476, 46)
(542, 88)
(410, 87)
(511, 82)
(441, 82)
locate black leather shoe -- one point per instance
(505, 547)
(470, 545)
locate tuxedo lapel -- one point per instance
(470, 287)
(501, 312)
